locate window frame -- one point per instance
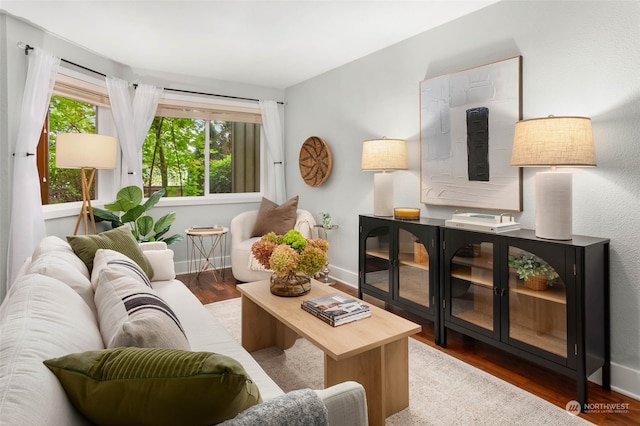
(205, 107)
(79, 85)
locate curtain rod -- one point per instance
(27, 48)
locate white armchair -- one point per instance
(241, 242)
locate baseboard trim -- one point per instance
(182, 266)
(624, 380)
(344, 276)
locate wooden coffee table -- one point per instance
(372, 351)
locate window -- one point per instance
(199, 150)
(74, 107)
(64, 116)
(195, 147)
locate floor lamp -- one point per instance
(86, 152)
(383, 155)
(554, 141)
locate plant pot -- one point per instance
(290, 286)
(536, 282)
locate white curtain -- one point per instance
(275, 145)
(133, 118)
(27, 222)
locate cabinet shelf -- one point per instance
(479, 276)
(381, 253)
(551, 294)
(478, 318)
(408, 259)
(484, 261)
(546, 341)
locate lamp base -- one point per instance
(86, 209)
(383, 194)
(554, 205)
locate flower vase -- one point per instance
(291, 285)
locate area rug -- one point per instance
(442, 390)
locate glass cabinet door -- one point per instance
(413, 270)
(377, 268)
(537, 303)
(471, 287)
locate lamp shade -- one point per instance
(76, 150)
(553, 141)
(384, 154)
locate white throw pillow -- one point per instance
(130, 312)
(162, 263)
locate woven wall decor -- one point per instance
(315, 161)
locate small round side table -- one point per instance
(202, 245)
(323, 275)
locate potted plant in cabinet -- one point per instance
(535, 272)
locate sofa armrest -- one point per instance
(346, 403)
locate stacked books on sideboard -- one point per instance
(336, 308)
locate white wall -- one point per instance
(579, 58)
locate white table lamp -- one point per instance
(383, 155)
(86, 151)
(554, 141)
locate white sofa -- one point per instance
(241, 241)
(43, 317)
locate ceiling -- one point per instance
(262, 42)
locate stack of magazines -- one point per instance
(336, 308)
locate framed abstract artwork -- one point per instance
(467, 123)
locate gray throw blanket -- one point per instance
(296, 408)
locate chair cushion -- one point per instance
(155, 386)
(130, 312)
(119, 239)
(275, 218)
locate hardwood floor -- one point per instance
(553, 387)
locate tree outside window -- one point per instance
(174, 157)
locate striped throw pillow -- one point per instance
(130, 313)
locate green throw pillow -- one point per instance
(118, 239)
(153, 386)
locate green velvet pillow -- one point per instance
(275, 218)
(118, 239)
(153, 386)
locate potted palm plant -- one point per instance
(535, 272)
